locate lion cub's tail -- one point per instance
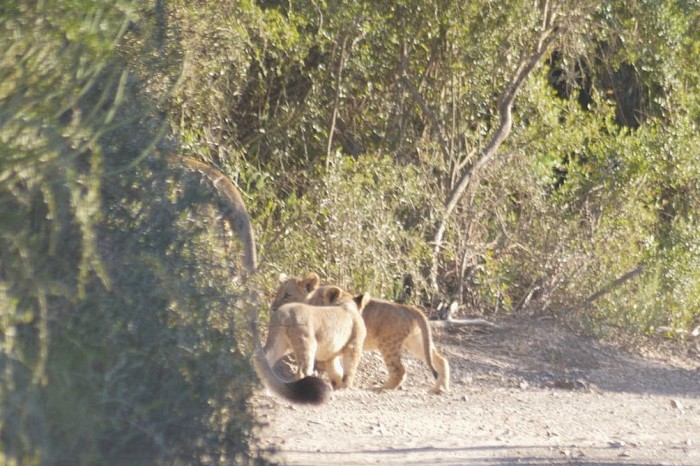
(427, 339)
(309, 390)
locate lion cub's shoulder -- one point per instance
(330, 295)
(328, 300)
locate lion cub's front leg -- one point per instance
(304, 347)
(353, 353)
(334, 371)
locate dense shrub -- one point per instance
(121, 338)
(593, 182)
(362, 225)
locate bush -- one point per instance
(362, 226)
(121, 338)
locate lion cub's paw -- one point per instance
(441, 390)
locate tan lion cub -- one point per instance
(320, 333)
(392, 327)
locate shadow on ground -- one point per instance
(543, 354)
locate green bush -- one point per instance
(122, 338)
(361, 225)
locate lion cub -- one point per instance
(320, 333)
(392, 327)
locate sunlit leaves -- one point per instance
(598, 174)
(359, 227)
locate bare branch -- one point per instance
(336, 102)
(505, 106)
(610, 287)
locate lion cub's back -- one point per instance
(386, 320)
(331, 326)
(337, 327)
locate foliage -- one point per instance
(360, 227)
(119, 340)
(594, 181)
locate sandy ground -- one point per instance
(527, 392)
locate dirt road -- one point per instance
(527, 392)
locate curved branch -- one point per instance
(235, 212)
(505, 107)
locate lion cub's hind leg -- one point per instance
(391, 352)
(414, 345)
(351, 361)
(442, 385)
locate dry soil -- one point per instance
(526, 392)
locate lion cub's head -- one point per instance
(295, 290)
(333, 296)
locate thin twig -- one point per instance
(336, 103)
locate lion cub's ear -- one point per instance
(332, 294)
(310, 281)
(283, 277)
(362, 300)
